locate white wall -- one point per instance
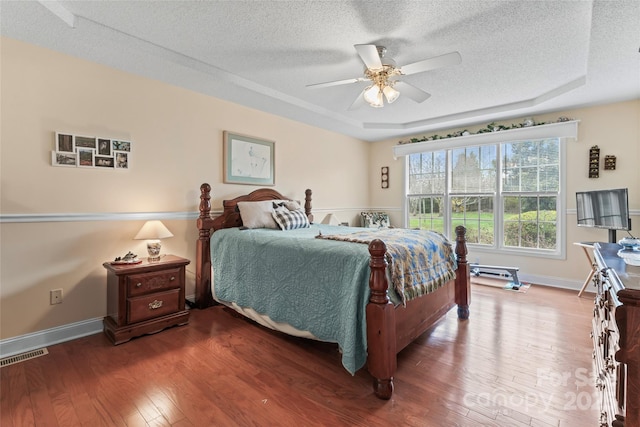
(615, 128)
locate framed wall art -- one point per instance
(82, 151)
(248, 160)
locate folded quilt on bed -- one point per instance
(420, 260)
(320, 286)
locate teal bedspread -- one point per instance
(288, 280)
(284, 275)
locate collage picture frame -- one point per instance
(80, 151)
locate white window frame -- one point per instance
(562, 131)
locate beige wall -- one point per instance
(177, 145)
(615, 128)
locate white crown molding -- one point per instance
(57, 9)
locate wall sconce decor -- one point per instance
(609, 163)
(384, 177)
(594, 162)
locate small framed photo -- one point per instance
(63, 159)
(64, 142)
(248, 160)
(121, 145)
(86, 142)
(85, 157)
(122, 160)
(104, 162)
(104, 147)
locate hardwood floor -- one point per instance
(522, 359)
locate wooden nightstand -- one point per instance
(145, 298)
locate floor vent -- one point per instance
(11, 360)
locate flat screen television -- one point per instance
(608, 209)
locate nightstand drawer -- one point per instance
(154, 305)
(140, 284)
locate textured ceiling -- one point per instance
(519, 58)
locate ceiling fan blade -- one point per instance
(369, 55)
(359, 102)
(445, 60)
(338, 82)
(411, 91)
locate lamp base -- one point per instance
(153, 248)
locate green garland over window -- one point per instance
(491, 127)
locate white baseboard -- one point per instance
(28, 342)
(57, 335)
(554, 282)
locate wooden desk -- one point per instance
(587, 247)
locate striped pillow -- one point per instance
(289, 220)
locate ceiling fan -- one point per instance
(382, 73)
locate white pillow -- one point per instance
(258, 214)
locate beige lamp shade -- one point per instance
(330, 219)
(153, 230)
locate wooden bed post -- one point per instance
(203, 250)
(307, 205)
(463, 274)
(381, 324)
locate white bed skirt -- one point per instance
(263, 319)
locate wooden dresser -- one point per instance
(145, 298)
(616, 337)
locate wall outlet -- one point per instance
(56, 296)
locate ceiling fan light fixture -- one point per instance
(371, 94)
(379, 103)
(390, 93)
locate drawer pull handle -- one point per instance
(138, 284)
(173, 278)
(155, 305)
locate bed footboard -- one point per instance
(463, 274)
(385, 328)
(381, 324)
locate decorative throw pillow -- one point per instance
(289, 219)
(257, 214)
(292, 205)
(375, 219)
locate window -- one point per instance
(507, 194)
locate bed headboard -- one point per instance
(230, 217)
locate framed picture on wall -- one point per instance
(84, 151)
(64, 143)
(122, 160)
(85, 157)
(86, 142)
(121, 145)
(248, 160)
(104, 147)
(104, 162)
(63, 159)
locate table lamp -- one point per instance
(152, 232)
(331, 220)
